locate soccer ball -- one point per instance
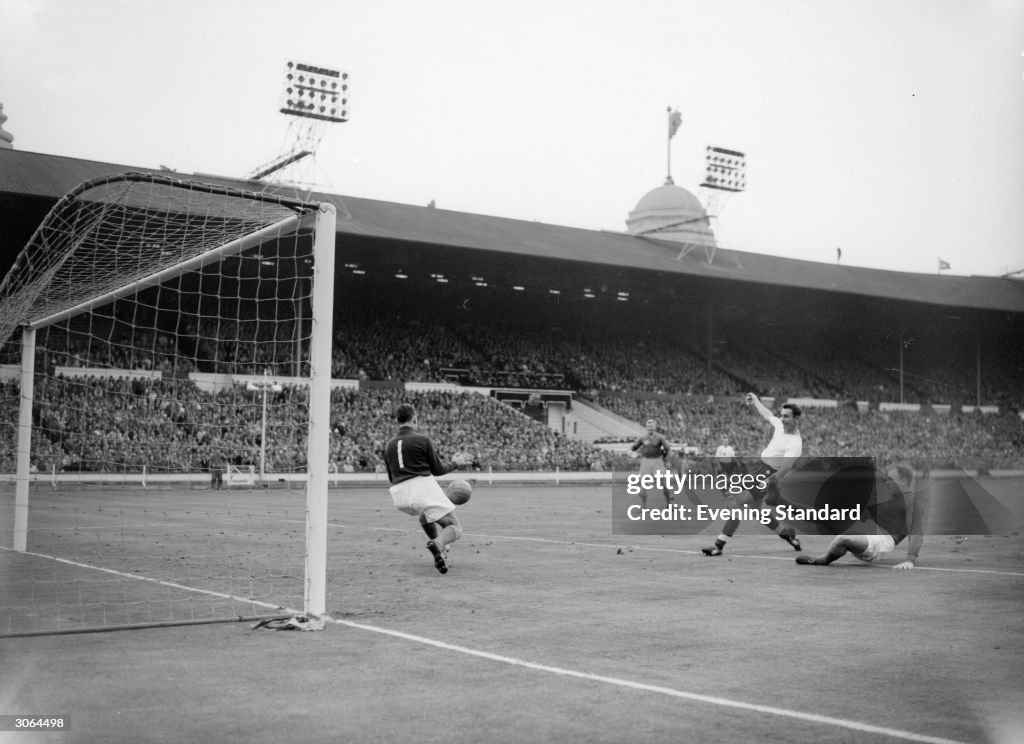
(459, 492)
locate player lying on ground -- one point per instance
(897, 519)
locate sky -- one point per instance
(893, 131)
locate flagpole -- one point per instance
(674, 120)
(668, 147)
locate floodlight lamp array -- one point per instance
(726, 170)
(315, 92)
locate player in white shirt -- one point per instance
(777, 459)
(725, 457)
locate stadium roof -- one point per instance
(26, 174)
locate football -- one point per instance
(459, 492)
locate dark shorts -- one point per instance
(731, 468)
(769, 495)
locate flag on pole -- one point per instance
(943, 265)
(674, 120)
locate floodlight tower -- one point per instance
(725, 174)
(266, 385)
(312, 98)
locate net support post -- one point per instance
(318, 446)
(28, 368)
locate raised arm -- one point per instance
(760, 407)
(437, 466)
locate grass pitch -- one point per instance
(547, 628)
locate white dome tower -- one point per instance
(671, 212)
(6, 138)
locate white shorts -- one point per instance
(421, 495)
(877, 544)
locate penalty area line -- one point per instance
(680, 551)
(661, 690)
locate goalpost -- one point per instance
(136, 322)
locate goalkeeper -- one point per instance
(899, 518)
(412, 463)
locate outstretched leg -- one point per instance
(773, 496)
(442, 533)
(839, 547)
(786, 533)
(729, 528)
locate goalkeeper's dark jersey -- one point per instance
(903, 514)
(411, 454)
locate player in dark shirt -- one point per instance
(412, 463)
(654, 448)
(900, 518)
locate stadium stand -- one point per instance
(609, 318)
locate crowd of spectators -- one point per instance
(168, 423)
(947, 440)
(161, 425)
(375, 346)
(500, 437)
(220, 346)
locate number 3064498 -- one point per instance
(36, 722)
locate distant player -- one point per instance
(897, 519)
(412, 462)
(217, 467)
(777, 459)
(725, 458)
(653, 449)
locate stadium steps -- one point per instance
(591, 422)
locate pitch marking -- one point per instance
(671, 692)
(668, 550)
(616, 681)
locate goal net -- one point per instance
(165, 408)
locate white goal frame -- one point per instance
(323, 216)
